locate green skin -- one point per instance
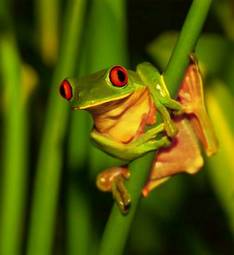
(97, 89)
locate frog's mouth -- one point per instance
(104, 105)
(115, 108)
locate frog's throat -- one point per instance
(127, 119)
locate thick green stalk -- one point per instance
(78, 211)
(221, 166)
(14, 150)
(186, 43)
(101, 49)
(79, 228)
(106, 48)
(47, 14)
(118, 226)
(79, 234)
(50, 155)
(228, 69)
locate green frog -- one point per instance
(133, 113)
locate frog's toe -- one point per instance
(171, 129)
(179, 111)
(121, 194)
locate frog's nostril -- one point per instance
(65, 90)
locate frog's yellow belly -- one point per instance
(127, 121)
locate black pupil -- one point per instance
(63, 91)
(121, 75)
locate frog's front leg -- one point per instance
(169, 125)
(160, 95)
(112, 180)
(129, 151)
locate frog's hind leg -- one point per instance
(191, 96)
(112, 180)
(182, 156)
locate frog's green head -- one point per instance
(109, 85)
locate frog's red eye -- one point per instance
(118, 76)
(66, 90)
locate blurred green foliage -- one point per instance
(48, 200)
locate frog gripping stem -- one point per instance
(184, 154)
(112, 180)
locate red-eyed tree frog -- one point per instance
(133, 114)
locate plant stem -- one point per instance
(78, 210)
(219, 102)
(50, 155)
(101, 48)
(106, 48)
(47, 14)
(118, 226)
(15, 148)
(186, 43)
(79, 225)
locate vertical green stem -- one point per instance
(118, 226)
(186, 43)
(79, 229)
(14, 150)
(106, 47)
(229, 74)
(219, 102)
(48, 173)
(103, 48)
(47, 14)
(79, 220)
